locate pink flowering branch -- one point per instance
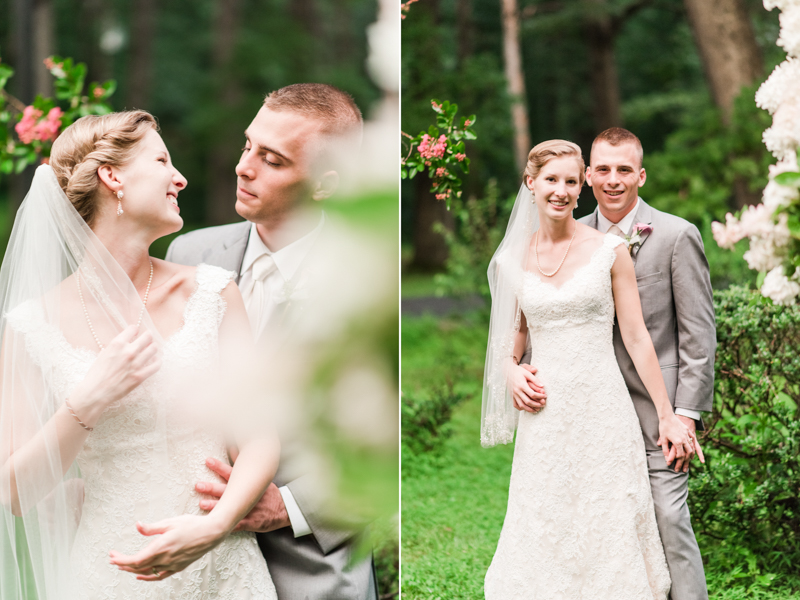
(440, 153)
(38, 125)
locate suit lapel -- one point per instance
(231, 254)
(644, 214)
(592, 222)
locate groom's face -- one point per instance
(615, 174)
(274, 171)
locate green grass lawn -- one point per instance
(454, 499)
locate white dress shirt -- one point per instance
(625, 224)
(278, 283)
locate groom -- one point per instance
(281, 183)
(675, 291)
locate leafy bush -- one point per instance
(746, 502)
(426, 417)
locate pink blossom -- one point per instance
(727, 235)
(643, 228)
(48, 63)
(98, 92)
(428, 149)
(467, 123)
(26, 128)
(441, 196)
(461, 156)
(441, 172)
(436, 106)
(48, 128)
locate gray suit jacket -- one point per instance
(311, 567)
(678, 309)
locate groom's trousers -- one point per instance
(670, 492)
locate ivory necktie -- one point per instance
(256, 295)
(616, 231)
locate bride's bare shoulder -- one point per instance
(180, 279)
(588, 238)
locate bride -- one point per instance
(100, 340)
(580, 522)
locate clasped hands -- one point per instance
(527, 391)
(182, 540)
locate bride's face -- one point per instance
(150, 185)
(556, 187)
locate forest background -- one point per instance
(682, 75)
(202, 68)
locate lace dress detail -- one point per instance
(117, 466)
(580, 523)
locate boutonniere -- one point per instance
(293, 290)
(635, 239)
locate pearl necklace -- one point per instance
(558, 268)
(86, 312)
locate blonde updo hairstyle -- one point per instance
(90, 143)
(544, 152)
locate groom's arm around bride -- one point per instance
(281, 182)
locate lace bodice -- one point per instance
(124, 461)
(579, 497)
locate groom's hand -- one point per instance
(268, 514)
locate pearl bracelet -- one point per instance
(81, 423)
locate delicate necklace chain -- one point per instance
(558, 268)
(86, 312)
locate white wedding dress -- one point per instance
(580, 523)
(115, 462)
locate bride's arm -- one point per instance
(526, 392)
(640, 348)
(182, 540)
(120, 367)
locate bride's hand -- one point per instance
(180, 541)
(527, 391)
(120, 367)
(678, 443)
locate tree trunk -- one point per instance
(430, 250)
(731, 60)
(221, 199)
(516, 83)
(43, 46)
(600, 33)
(143, 32)
(727, 45)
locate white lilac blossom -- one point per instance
(780, 288)
(779, 86)
(789, 38)
(766, 225)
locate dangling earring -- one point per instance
(120, 195)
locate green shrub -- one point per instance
(426, 417)
(746, 501)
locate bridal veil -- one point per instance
(42, 315)
(506, 269)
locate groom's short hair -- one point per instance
(335, 109)
(617, 136)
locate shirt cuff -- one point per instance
(299, 524)
(685, 412)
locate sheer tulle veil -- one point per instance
(498, 415)
(41, 317)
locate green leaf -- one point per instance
(789, 179)
(20, 166)
(6, 166)
(6, 73)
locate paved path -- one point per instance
(439, 307)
